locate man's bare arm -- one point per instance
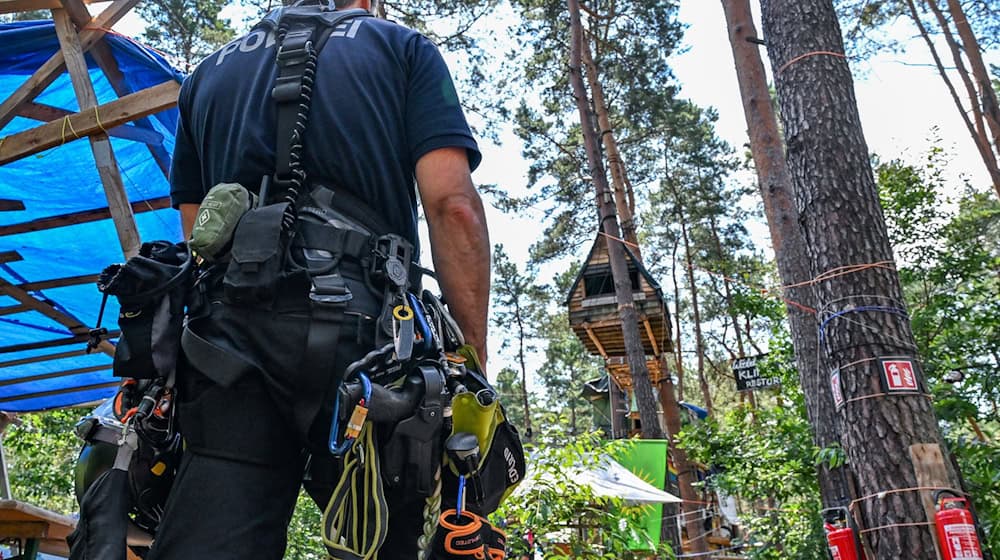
(460, 243)
(188, 213)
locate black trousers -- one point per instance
(247, 447)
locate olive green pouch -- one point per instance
(220, 212)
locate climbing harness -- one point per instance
(394, 409)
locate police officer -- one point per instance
(384, 114)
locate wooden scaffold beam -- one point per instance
(100, 143)
(54, 66)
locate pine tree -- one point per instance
(517, 311)
(186, 30)
(861, 313)
(776, 190)
(966, 29)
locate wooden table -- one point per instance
(41, 529)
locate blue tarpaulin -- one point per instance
(63, 181)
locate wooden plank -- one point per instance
(44, 358)
(931, 472)
(54, 375)
(59, 282)
(11, 6)
(10, 256)
(81, 217)
(71, 323)
(24, 529)
(102, 54)
(597, 343)
(51, 68)
(56, 392)
(652, 339)
(117, 112)
(8, 205)
(100, 144)
(48, 113)
(54, 343)
(13, 309)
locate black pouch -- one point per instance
(260, 246)
(152, 288)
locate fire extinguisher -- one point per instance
(956, 527)
(841, 535)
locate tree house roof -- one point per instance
(593, 306)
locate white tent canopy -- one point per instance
(608, 478)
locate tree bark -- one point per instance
(777, 192)
(685, 473)
(862, 314)
(636, 356)
(679, 343)
(970, 46)
(976, 130)
(624, 205)
(521, 335)
(699, 339)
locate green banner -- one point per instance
(647, 459)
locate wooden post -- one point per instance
(5, 494)
(101, 53)
(100, 144)
(51, 68)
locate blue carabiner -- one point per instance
(336, 449)
(421, 320)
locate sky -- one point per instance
(903, 105)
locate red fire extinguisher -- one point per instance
(956, 528)
(841, 535)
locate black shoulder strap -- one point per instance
(302, 33)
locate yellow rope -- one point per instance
(66, 122)
(97, 116)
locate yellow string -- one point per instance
(97, 116)
(71, 129)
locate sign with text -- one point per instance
(900, 375)
(749, 378)
(837, 389)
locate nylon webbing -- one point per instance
(355, 522)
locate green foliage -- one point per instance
(41, 451)
(980, 463)
(187, 30)
(766, 458)
(630, 43)
(950, 270)
(28, 15)
(568, 365)
(558, 510)
(305, 540)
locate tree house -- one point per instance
(593, 314)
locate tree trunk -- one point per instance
(524, 372)
(976, 125)
(727, 295)
(685, 473)
(678, 345)
(861, 313)
(636, 355)
(970, 46)
(776, 190)
(699, 339)
(615, 163)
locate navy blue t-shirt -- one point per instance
(383, 98)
